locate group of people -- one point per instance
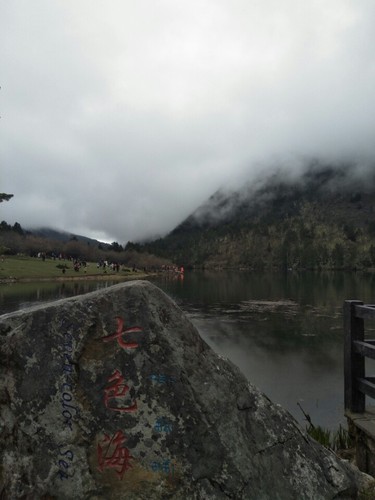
(114, 266)
(77, 264)
(173, 269)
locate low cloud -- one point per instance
(118, 119)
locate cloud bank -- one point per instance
(119, 118)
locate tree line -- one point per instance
(14, 240)
(305, 240)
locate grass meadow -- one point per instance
(33, 268)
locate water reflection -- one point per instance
(14, 296)
(283, 331)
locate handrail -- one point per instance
(364, 348)
(357, 348)
(365, 311)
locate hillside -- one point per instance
(63, 236)
(324, 219)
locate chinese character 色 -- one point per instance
(116, 393)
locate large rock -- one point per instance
(114, 395)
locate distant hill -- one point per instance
(54, 234)
(322, 219)
(15, 240)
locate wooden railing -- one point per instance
(357, 348)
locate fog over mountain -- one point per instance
(310, 180)
(321, 219)
(119, 118)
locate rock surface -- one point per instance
(114, 395)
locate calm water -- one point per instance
(283, 331)
(15, 296)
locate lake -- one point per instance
(284, 331)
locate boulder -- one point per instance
(114, 395)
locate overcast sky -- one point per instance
(119, 118)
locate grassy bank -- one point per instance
(20, 268)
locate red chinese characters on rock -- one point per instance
(112, 454)
(115, 392)
(120, 332)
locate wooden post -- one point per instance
(354, 363)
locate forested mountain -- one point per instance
(322, 219)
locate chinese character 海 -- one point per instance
(112, 454)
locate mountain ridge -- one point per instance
(322, 219)
(64, 236)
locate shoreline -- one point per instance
(88, 277)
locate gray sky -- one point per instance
(119, 117)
